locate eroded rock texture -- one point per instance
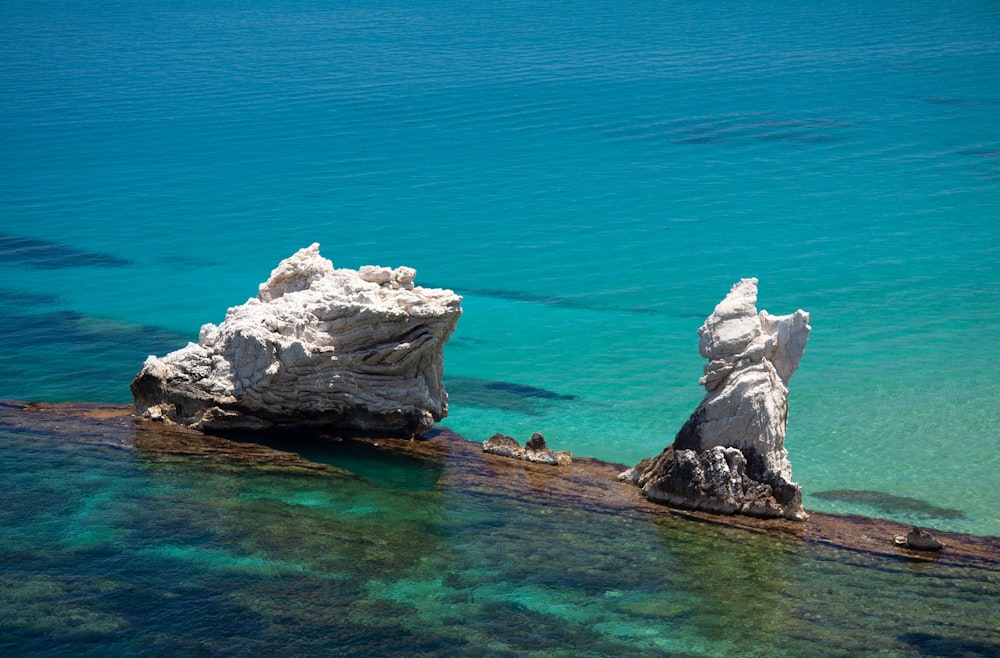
(534, 450)
(354, 350)
(729, 457)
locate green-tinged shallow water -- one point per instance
(107, 550)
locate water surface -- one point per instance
(112, 546)
(593, 177)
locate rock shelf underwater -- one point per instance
(362, 351)
(317, 529)
(142, 532)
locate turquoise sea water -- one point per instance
(591, 176)
(110, 547)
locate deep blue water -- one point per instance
(591, 176)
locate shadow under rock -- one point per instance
(366, 459)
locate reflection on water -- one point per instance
(109, 550)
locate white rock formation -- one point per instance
(730, 455)
(318, 346)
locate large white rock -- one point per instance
(745, 410)
(353, 350)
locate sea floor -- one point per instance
(123, 538)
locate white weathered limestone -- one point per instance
(745, 410)
(318, 346)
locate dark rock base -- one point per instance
(715, 480)
(180, 403)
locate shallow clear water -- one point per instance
(110, 550)
(592, 177)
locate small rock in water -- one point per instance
(920, 540)
(535, 450)
(536, 442)
(503, 445)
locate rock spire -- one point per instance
(729, 457)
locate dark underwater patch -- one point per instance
(19, 299)
(552, 300)
(528, 391)
(386, 470)
(702, 139)
(507, 396)
(984, 161)
(518, 296)
(793, 137)
(537, 631)
(464, 342)
(929, 644)
(736, 129)
(891, 504)
(953, 101)
(46, 255)
(982, 153)
(809, 131)
(67, 328)
(76, 354)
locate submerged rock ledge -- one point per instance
(587, 484)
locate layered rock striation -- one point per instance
(729, 457)
(319, 347)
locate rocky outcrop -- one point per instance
(504, 446)
(534, 450)
(321, 347)
(729, 457)
(919, 540)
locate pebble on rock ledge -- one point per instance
(534, 450)
(919, 540)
